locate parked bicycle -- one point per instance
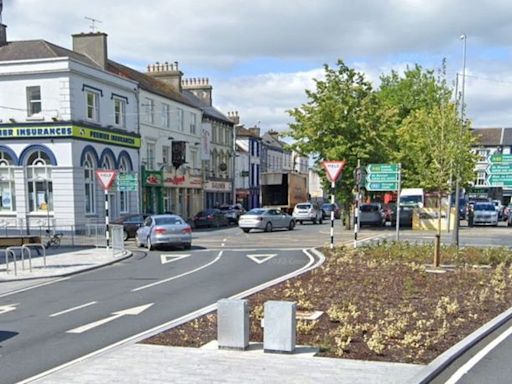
(54, 240)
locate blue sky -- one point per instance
(261, 55)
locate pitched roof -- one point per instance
(507, 136)
(148, 83)
(241, 131)
(208, 110)
(39, 49)
(488, 136)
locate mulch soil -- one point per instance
(381, 303)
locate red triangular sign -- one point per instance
(105, 177)
(333, 169)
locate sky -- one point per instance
(261, 55)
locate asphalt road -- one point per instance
(46, 327)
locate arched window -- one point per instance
(124, 201)
(7, 197)
(90, 184)
(40, 185)
(108, 163)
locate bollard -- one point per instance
(279, 327)
(233, 324)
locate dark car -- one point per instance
(328, 208)
(371, 214)
(130, 222)
(212, 217)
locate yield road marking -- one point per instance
(170, 258)
(7, 308)
(115, 315)
(72, 309)
(260, 259)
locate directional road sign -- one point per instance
(382, 177)
(382, 168)
(127, 182)
(381, 186)
(500, 180)
(501, 158)
(498, 168)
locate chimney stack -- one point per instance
(200, 87)
(93, 45)
(3, 34)
(168, 73)
(233, 116)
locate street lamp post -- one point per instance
(455, 234)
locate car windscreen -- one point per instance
(327, 206)
(369, 208)
(168, 221)
(410, 199)
(303, 206)
(256, 212)
(484, 207)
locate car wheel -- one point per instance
(268, 227)
(291, 225)
(246, 230)
(149, 245)
(301, 222)
(187, 246)
(321, 220)
(314, 221)
(125, 235)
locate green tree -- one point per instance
(342, 120)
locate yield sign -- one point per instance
(106, 177)
(333, 169)
(260, 259)
(170, 258)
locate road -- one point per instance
(47, 326)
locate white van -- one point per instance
(412, 197)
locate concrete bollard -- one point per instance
(279, 327)
(233, 324)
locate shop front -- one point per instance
(217, 193)
(182, 194)
(152, 199)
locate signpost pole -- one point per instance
(106, 178)
(333, 184)
(397, 237)
(107, 234)
(356, 215)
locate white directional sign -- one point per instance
(260, 259)
(170, 258)
(333, 169)
(7, 308)
(115, 315)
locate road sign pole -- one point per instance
(333, 171)
(356, 215)
(397, 237)
(107, 234)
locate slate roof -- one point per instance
(244, 132)
(488, 136)
(507, 136)
(39, 49)
(208, 110)
(271, 141)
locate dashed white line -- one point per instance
(72, 309)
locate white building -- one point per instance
(63, 115)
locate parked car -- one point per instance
(212, 217)
(266, 219)
(130, 222)
(308, 212)
(499, 208)
(232, 212)
(164, 230)
(507, 212)
(371, 214)
(485, 214)
(327, 208)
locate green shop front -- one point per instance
(152, 191)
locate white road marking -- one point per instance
(72, 309)
(177, 277)
(170, 258)
(260, 259)
(115, 315)
(479, 356)
(7, 308)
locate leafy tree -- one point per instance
(342, 120)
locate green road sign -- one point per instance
(498, 168)
(382, 177)
(382, 186)
(382, 168)
(498, 180)
(501, 158)
(127, 182)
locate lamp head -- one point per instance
(463, 36)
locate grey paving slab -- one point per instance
(140, 363)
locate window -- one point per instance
(7, 197)
(150, 155)
(90, 185)
(195, 158)
(33, 100)
(119, 112)
(40, 186)
(165, 116)
(150, 110)
(181, 123)
(193, 123)
(124, 201)
(93, 105)
(165, 155)
(481, 177)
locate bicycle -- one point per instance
(54, 240)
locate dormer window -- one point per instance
(33, 100)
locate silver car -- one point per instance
(485, 213)
(266, 219)
(164, 230)
(308, 212)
